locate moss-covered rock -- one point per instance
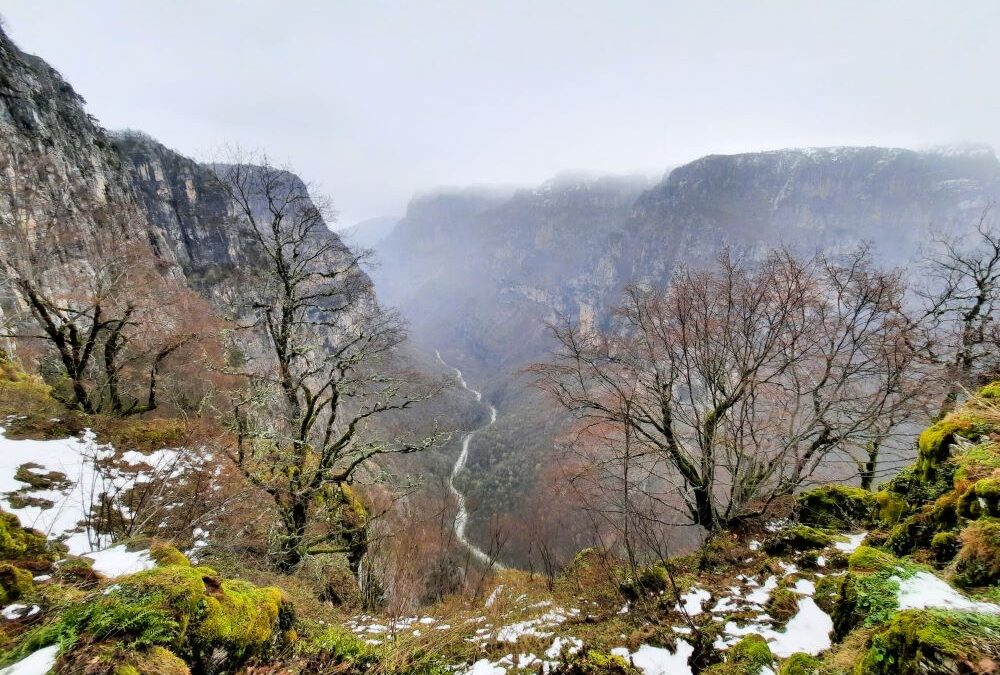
(891, 507)
(978, 561)
(867, 594)
(746, 657)
(836, 506)
(827, 590)
(242, 618)
(981, 499)
(594, 662)
(154, 661)
(944, 546)
(650, 580)
(801, 664)
(212, 624)
(797, 538)
(934, 445)
(868, 559)
(919, 642)
(165, 554)
(20, 543)
(15, 583)
(917, 491)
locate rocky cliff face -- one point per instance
(475, 272)
(828, 198)
(183, 214)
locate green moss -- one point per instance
(934, 444)
(978, 561)
(918, 642)
(782, 604)
(891, 507)
(746, 657)
(945, 545)
(15, 583)
(651, 580)
(827, 590)
(242, 618)
(797, 538)
(342, 647)
(914, 532)
(867, 594)
(164, 555)
(801, 664)
(991, 392)
(868, 559)
(982, 499)
(836, 506)
(187, 610)
(594, 662)
(18, 543)
(978, 461)
(916, 490)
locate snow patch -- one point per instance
(117, 560)
(852, 543)
(36, 663)
(692, 601)
(659, 661)
(924, 590)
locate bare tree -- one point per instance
(97, 300)
(736, 386)
(326, 380)
(961, 301)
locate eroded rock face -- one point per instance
(179, 210)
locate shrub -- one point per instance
(978, 561)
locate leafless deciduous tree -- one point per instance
(98, 302)
(327, 380)
(961, 302)
(735, 386)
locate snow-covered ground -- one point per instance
(61, 512)
(36, 663)
(924, 591)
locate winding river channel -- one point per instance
(462, 517)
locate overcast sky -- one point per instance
(376, 100)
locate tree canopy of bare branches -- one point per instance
(327, 380)
(961, 302)
(735, 386)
